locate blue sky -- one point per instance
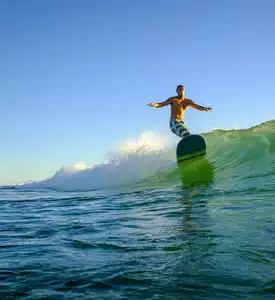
(76, 76)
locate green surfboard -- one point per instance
(194, 167)
(192, 146)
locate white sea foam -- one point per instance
(134, 159)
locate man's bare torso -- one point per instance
(178, 108)
(179, 104)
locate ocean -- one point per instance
(133, 228)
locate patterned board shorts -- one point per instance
(178, 128)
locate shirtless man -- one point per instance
(179, 105)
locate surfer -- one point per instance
(179, 104)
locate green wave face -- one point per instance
(234, 158)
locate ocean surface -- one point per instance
(140, 227)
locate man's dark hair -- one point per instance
(179, 86)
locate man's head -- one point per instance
(180, 90)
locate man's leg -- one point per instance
(179, 129)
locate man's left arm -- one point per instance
(196, 106)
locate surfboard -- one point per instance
(192, 146)
(194, 167)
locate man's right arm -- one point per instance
(196, 106)
(161, 104)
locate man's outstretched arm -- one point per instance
(198, 107)
(161, 104)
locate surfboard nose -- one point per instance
(191, 146)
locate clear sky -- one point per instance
(75, 76)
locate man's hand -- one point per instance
(151, 104)
(208, 108)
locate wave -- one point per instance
(235, 153)
(134, 160)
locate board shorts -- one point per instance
(178, 128)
